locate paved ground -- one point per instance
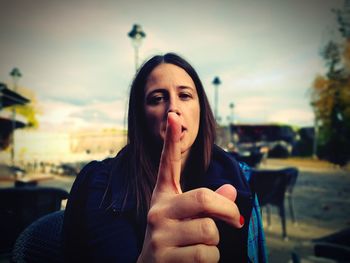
(322, 206)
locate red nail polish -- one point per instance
(241, 220)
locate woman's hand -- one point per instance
(180, 226)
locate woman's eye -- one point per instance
(185, 96)
(155, 100)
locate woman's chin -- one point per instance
(185, 149)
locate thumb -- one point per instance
(230, 193)
(227, 191)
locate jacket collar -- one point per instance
(223, 169)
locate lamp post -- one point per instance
(216, 82)
(314, 142)
(232, 106)
(136, 34)
(16, 75)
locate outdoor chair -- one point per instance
(41, 241)
(334, 247)
(20, 206)
(271, 187)
(253, 160)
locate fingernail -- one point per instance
(241, 220)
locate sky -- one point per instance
(77, 59)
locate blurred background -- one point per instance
(276, 73)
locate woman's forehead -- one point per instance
(169, 74)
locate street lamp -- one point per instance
(232, 106)
(16, 75)
(314, 142)
(136, 34)
(216, 82)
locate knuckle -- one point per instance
(206, 254)
(153, 217)
(200, 254)
(203, 197)
(155, 243)
(209, 231)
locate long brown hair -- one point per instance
(143, 158)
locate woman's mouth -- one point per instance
(183, 130)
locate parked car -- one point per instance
(69, 168)
(9, 171)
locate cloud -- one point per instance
(292, 115)
(252, 108)
(63, 116)
(257, 109)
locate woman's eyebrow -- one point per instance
(182, 87)
(156, 90)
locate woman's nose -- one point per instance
(174, 107)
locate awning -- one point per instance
(6, 130)
(9, 97)
(6, 124)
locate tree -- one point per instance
(331, 98)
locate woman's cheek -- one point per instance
(156, 129)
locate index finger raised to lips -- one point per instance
(170, 161)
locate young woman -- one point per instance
(170, 195)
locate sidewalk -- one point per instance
(322, 206)
(306, 164)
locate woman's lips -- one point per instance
(183, 130)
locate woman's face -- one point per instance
(170, 88)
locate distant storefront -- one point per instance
(62, 147)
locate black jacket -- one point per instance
(99, 227)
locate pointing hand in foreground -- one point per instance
(180, 226)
